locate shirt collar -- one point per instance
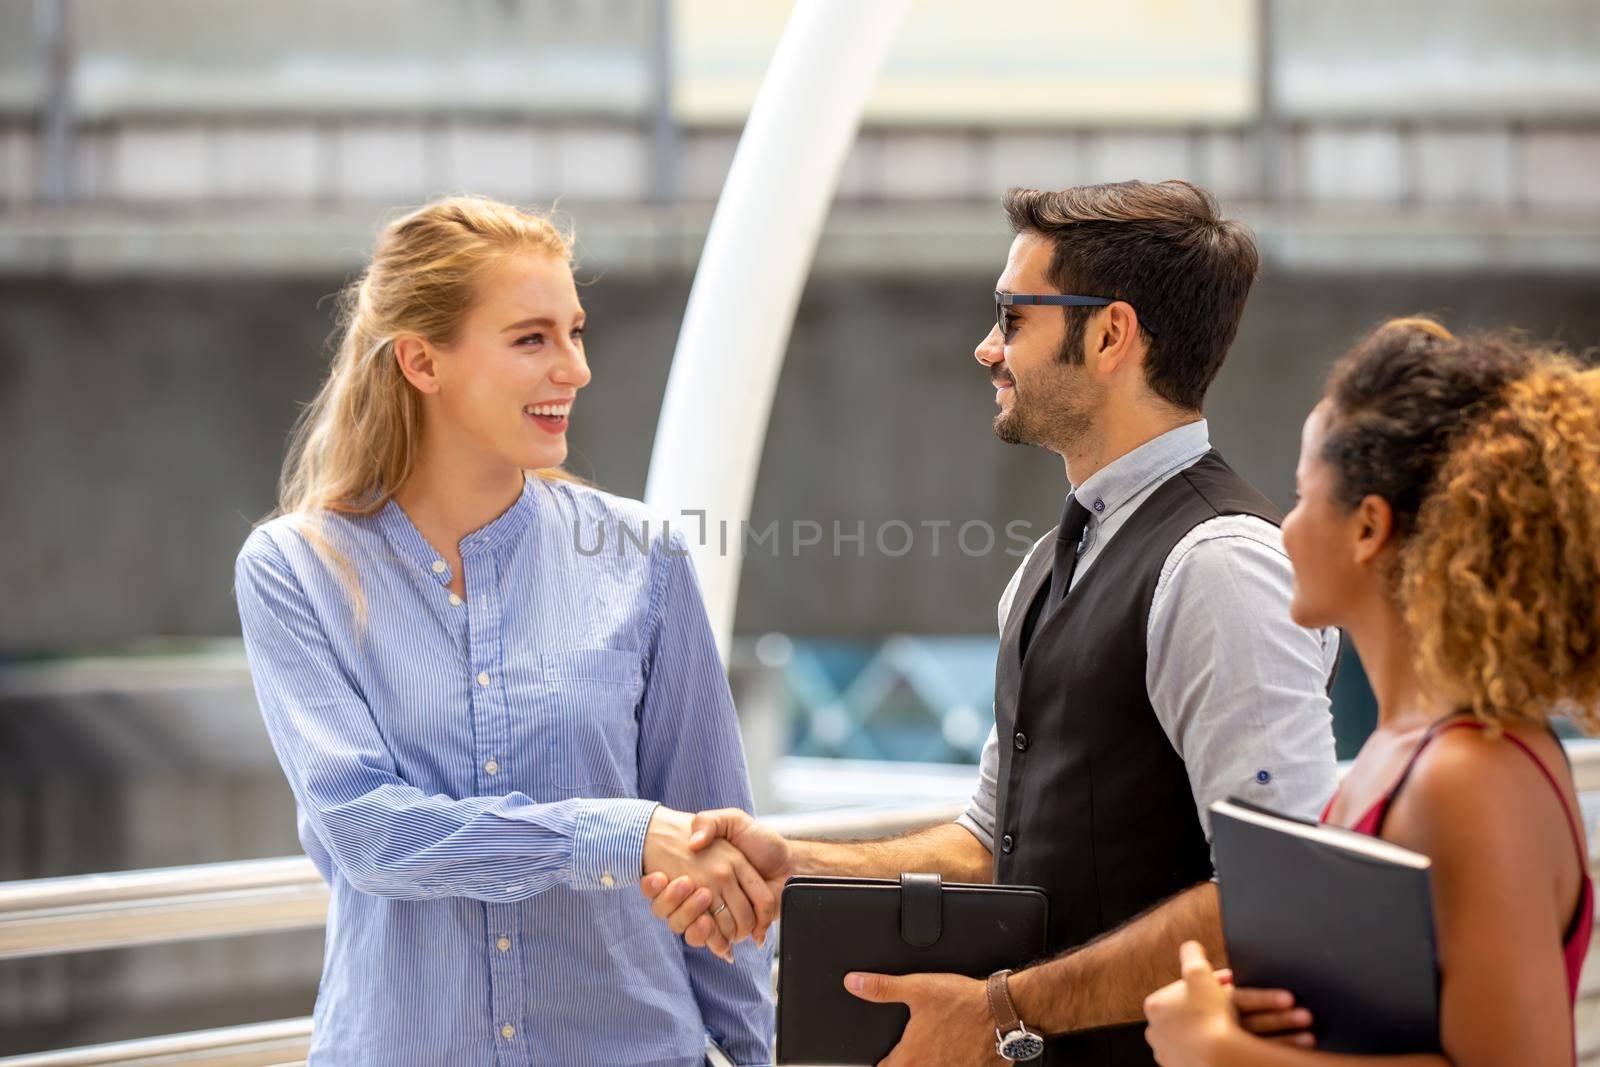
(509, 526)
(503, 530)
(1121, 480)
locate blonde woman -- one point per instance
(1449, 518)
(490, 729)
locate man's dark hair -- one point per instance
(1160, 246)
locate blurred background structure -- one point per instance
(185, 183)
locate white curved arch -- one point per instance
(758, 252)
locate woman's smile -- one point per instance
(551, 418)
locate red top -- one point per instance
(1580, 928)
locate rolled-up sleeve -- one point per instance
(1240, 689)
(691, 757)
(386, 837)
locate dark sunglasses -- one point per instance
(1005, 300)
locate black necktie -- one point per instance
(1074, 520)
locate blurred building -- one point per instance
(183, 182)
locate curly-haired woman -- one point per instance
(1449, 519)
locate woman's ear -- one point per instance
(416, 360)
(1373, 525)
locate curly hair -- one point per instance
(1487, 449)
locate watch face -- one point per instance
(1021, 1045)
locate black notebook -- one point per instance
(832, 926)
(1341, 919)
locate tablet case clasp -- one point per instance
(921, 909)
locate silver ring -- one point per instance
(719, 909)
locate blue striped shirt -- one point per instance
(474, 779)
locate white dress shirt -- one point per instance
(1240, 690)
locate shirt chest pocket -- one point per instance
(593, 698)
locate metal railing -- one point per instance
(274, 1044)
(48, 916)
(51, 916)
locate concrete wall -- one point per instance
(143, 425)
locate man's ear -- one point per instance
(1113, 336)
(1373, 523)
(417, 362)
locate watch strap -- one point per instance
(1000, 1006)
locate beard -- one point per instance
(1057, 411)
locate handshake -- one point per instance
(715, 877)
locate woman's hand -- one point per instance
(1192, 1021)
(725, 882)
(679, 904)
(1270, 1013)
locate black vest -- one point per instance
(1094, 804)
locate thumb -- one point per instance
(707, 826)
(877, 988)
(1196, 968)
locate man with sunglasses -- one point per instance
(1148, 664)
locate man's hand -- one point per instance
(724, 882)
(950, 1021)
(683, 904)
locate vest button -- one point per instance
(1007, 844)
(1021, 741)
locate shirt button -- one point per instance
(438, 566)
(483, 679)
(1263, 777)
(1007, 844)
(1099, 505)
(508, 1031)
(607, 881)
(492, 767)
(1021, 741)
(455, 601)
(503, 944)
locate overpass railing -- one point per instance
(50, 916)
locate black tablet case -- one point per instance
(832, 926)
(1351, 935)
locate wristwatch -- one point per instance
(1013, 1040)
